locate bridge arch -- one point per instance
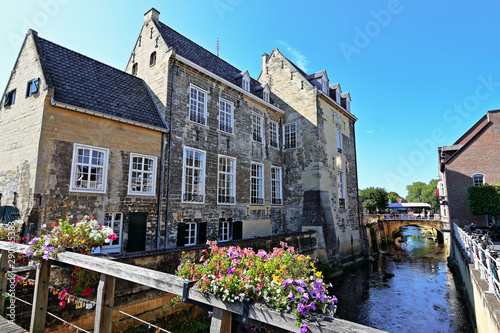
(387, 227)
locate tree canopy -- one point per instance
(374, 198)
(422, 192)
(484, 199)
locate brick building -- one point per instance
(195, 148)
(473, 160)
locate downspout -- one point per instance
(160, 195)
(169, 154)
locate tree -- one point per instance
(374, 198)
(484, 200)
(394, 196)
(415, 191)
(422, 192)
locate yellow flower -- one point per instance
(318, 274)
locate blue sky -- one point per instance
(420, 73)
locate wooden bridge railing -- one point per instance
(111, 270)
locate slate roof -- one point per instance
(86, 83)
(190, 50)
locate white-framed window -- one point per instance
(245, 82)
(191, 233)
(224, 231)
(478, 179)
(274, 134)
(226, 116)
(115, 222)
(290, 136)
(265, 95)
(226, 190)
(257, 125)
(197, 105)
(276, 189)
(142, 175)
(193, 176)
(339, 141)
(341, 189)
(257, 184)
(89, 169)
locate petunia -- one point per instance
(303, 328)
(291, 297)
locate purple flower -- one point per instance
(291, 297)
(312, 306)
(335, 299)
(303, 328)
(322, 297)
(317, 284)
(300, 289)
(209, 314)
(331, 306)
(305, 297)
(286, 282)
(315, 293)
(231, 271)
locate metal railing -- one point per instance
(431, 217)
(486, 261)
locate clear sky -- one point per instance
(420, 72)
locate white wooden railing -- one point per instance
(485, 261)
(111, 270)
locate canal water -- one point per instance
(408, 288)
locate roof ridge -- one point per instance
(85, 56)
(471, 129)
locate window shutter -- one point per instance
(181, 234)
(7, 98)
(202, 232)
(237, 230)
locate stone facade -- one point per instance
(475, 153)
(304, 180)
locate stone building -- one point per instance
(235, 157)
(473, 160)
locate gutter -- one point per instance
(160, 195)
(229, 84)
(170, 152)
(105, 116)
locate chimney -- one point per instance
(151, 14)
(265, 57)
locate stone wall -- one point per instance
(61, 130)
(20, 126)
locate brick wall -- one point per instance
(481, 155)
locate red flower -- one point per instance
(63, 303)
(54, 224)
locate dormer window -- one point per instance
(323, 85)
(265, 94)
(9, 98)
(152, 59)
(245, 82)
(134, 69)
(337, 96)
(32, 87)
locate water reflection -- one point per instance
(408, 289)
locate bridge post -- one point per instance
(105, 298)
(221, 321)
(40, 297)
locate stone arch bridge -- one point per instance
(386, 226)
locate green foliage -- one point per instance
(422, 192)
(393, 197)
(484, 199)
(374, 198)
(181, 321)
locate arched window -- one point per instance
(134, 69)
(152, 59)
(477, 179)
